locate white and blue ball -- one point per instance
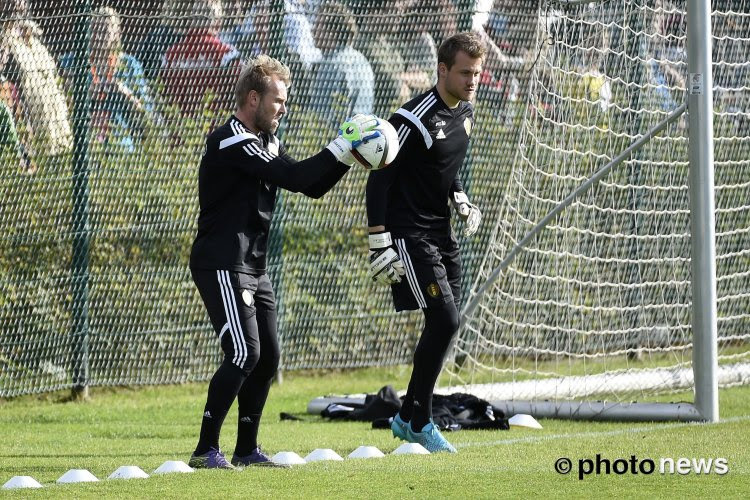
(379, 152)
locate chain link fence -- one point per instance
(103, 115)
(104, 110)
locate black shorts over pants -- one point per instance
(433, 270)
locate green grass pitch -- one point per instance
(43, 437)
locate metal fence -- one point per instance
(103, 115)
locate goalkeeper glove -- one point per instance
(385, 264)
(468, 212)
(353, 132)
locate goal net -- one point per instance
(597, 306)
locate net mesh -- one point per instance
(599, 303)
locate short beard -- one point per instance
(266, 126)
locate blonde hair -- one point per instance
(256, 75)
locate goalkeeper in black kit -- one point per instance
(242, 167)
(412, 246)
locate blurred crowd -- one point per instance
(346, 56)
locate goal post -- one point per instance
(603, 410)
(598, 294)
(702, 207)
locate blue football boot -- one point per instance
(430, 438)
(399, 427)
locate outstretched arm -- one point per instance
(324, 184)
(293, 176)
(314, 176)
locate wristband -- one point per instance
(380, 240)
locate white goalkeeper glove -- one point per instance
(468, 212)
(353, 132)
(385, 264)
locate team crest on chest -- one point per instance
(433, 290)
(467, 126)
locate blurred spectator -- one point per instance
(169, 30)
(511, 27)
(379, 20)
(31, 70)
(509, 33)
(248, 29)
(668, 64)
(238, 30)
(493, 28)
(9, 141)
(299, 16)
(201, 63)
(343, 83)
(121, 101)
(426, 24)
(732, 74)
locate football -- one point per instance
(379, 152)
